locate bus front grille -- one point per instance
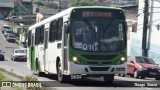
(99, 63)
(99, 57)
(99, 68)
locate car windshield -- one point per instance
(11, 36)
(6, 27)
(98, 35)
(0, 51)
(8, 31)
(20, 51)
(145, 60)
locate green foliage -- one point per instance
(51, 5)
(30, 78)
(137, 2)
(18, 88)
(2, 77)
(39, 3)
(82, 3)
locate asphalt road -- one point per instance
(20, 68)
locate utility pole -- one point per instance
(145, 27)
(150, 24)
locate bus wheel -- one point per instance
(157, 78)
(40, 74)
(61, 77)
(108, 78)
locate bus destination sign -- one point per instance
(96, 14)
(92, 13)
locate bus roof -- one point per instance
(66, 12)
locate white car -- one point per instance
(7, 32)
(11, 38)
(19, 54)
(5, 26)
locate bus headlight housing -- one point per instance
(123, 59)
(75, 59)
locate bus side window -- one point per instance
(52, 31)
(59, 31)
(42, 34)
(29, 39)
(37, 36)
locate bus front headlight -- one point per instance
(75, 59)
(123, 58)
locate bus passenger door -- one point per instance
(65, 49)
(46, 67)
(32, 53)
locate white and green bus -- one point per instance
(79, 42)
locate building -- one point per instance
(5, 7)
(153, 31)
(119, 3)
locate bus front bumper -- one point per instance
(96, 69)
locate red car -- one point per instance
(141, 67)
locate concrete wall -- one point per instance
(154, 38)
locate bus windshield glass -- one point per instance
(98, 35)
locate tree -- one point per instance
(51, 5)
(82, 3)
(137, 2)
(39, 3)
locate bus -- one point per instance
(79, 42)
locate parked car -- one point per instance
(19, 54)
(141, 67)
(24, 44)
(4, 27)
(1, 55)
(7, 32)
(11, 38)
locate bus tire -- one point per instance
(108, 78)
(40, 74)
(61, 78)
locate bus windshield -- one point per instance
(98, 35)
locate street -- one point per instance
(20, 69)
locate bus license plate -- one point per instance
(76, 76)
